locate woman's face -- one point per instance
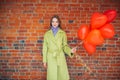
(55, 22)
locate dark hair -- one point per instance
(57, 17)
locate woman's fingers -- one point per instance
(74, 50)
(45, 65)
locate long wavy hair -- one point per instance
(57, 17)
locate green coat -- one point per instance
(54, 48)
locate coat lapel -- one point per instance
(56, 37)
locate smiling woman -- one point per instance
(54, 47)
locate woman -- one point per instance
(54, 48)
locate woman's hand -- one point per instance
(73, 50)
(45, 65)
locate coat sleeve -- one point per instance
(66, 47)
(45, 49)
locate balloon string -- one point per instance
(79, 58)
(82, 62)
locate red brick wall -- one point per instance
(23, 24)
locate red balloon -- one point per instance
(107, 31)
(89, 48)
(95, 37)
(111, 14)
(83, 32)
(98, 20)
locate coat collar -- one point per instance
(59, 31)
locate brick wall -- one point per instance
(23, 24)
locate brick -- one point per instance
(15, 77)
(23, 77)
(26, 54)
(23, 63)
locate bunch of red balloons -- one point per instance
(100, 28)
